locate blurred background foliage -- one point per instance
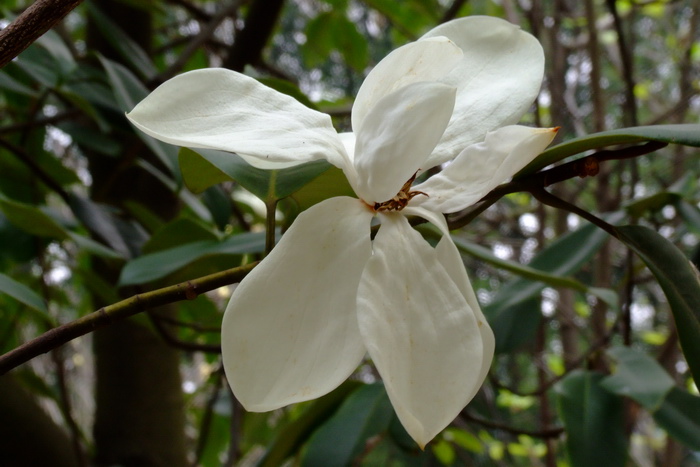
(588, 368)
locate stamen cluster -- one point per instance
(398, 202)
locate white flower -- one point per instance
(302, 321)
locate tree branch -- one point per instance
(536, 182)
(30, 25)
(107, 315)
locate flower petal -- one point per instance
(419, 330)
(221, 109)
(451, 260)
(427, 60)
(290, 331)
(397, 136)
(483, 166)
(498, 79)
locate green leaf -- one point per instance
(364, 413)
(158, 265)
(176, 233)
(679, 415)
(639, 377)
(129, 51)
(31, 219)
(652, 204)
(685, 134)
(329, 184)
(10, 84)
(679, 280)
(319, 39)
(21, 293)
(291, 437)
(40, 65)
(690, 214)
(99, 220)
(202, 168)
(58, 49)
(129, 91)
(594, 421)
(351, 44)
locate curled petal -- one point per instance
(428, 60)
(221, 109)
(419, 330)
(397, 136)
(290, 331)
(498, 79)
(483, 166)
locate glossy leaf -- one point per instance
(21, 293)
(594, 422)
(124, 45)
(291, 437)
(679, 415)
(685, 134)
(202, 168)
(679, 280)
(639, 377)
(129, 91)
(100, 221)
(31, 219)
(364, 413)
(158, 265)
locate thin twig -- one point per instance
(173, 341)
(553, 432)
(107, 315)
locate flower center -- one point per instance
(401, 199)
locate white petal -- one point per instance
(348, 140)
(498, 79)
(419, 330)
(483, 166)
(428, 60)
(290, 331)
(451, 260)
(397, 136)
(221, 109)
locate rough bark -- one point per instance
(41, 16)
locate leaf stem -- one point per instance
(270, 224)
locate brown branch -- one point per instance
(41, 16)
(173, 341)
(259, 24)
(451, 12)
(107, 315)
(536, 182)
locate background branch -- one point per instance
(118, 311)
